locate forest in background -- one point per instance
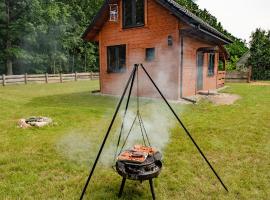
(38, 36)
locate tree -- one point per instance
(260, 54)
(38, 36)
(13, 24)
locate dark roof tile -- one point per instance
(175, 8)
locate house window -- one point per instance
(149, 54)
(133, 13)
(211, 64)
(116, 59)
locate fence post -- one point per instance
(25, 78)
(46, 78)
(4, 79)
(61, 78)
(91, 75)
(249, 74)
(76, 76)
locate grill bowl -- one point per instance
(149, 169)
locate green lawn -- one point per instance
(53, 162)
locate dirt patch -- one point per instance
(260, 83)
(223, 98)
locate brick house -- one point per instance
(179, 50)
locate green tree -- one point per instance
(260, 54)
(83, 56)
(38, 36)
(13, 23)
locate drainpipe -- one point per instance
(181, 63)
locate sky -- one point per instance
(239, 17)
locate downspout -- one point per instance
(181, 63)
(100, 62)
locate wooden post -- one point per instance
(61, 78)
(249, 74)
(76, 76)
(46, 78)
(4, 79)
(91, 75)
(25, 78)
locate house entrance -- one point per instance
(200, 57)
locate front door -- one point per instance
(200, 58)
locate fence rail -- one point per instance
(221, 79)
(237, 76)
(46, 78)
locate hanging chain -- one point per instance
(138, 116)
(143, 130)
(140, 119)
(138, 106)
(124, 116)
(128, 135)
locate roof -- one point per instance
(198, 25)
(243, 60)
(223, 51)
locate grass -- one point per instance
(53, 162)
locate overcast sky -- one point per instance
(239, 17)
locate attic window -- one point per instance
(133, 13)
(113, 12)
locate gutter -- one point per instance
(213, 35)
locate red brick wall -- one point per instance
(165, 69)
(160, 24)
(190, 46)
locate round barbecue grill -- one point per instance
(146, 170)
(139, 163)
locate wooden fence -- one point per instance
(221, 79)
(46, 78)
(237, 76)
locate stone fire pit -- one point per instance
(34, 122)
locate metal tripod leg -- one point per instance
(185, 129)
(122, 187)
(152, 189)
(107, 133)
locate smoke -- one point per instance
(75, 146)
(156, 121)
(157, 118)
(81, 147)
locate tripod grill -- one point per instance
(131, 80)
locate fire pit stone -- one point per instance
(34, 122)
